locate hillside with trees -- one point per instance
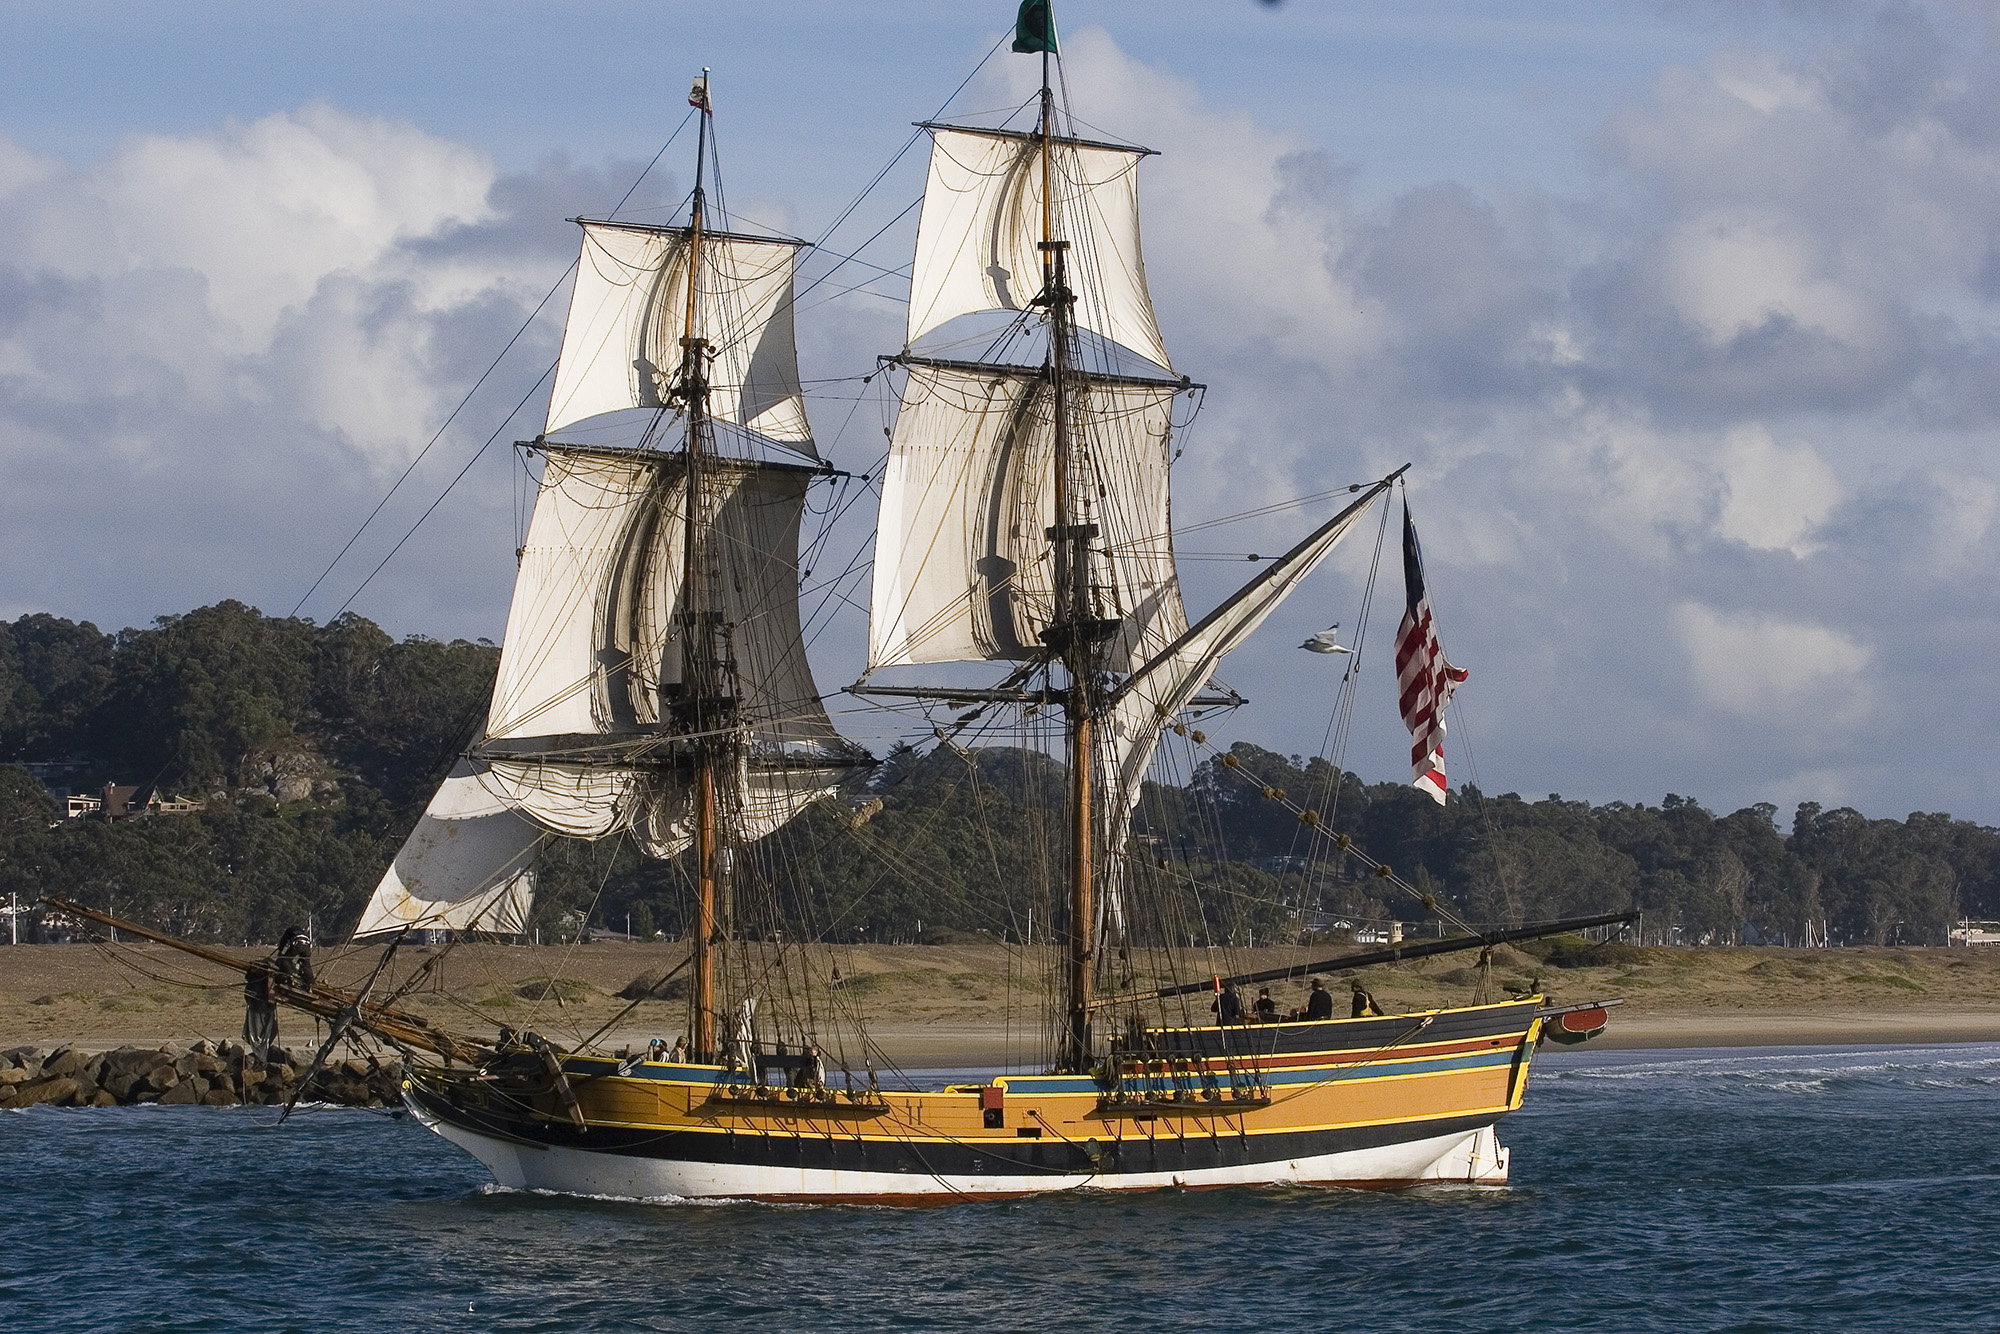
(309, 750)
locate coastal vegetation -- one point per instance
(305, 753)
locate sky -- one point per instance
(1683, 314)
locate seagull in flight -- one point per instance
(1325, 642)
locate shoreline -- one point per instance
(962, 1006)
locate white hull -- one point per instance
(1467, 1158)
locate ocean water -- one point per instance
(1746, 1190)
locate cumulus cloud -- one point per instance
(217, 349)
(1767, 671)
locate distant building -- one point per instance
(127, 801)
(1976, 933)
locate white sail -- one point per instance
(977, 240)
(963, 563)
(466, 867)
(1152, 698)
(551, 664)
(578, 737)
(628, 312)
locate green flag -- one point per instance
(1035, 28)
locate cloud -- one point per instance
(217, 350)
(1767, 671)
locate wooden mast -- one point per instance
(698, 675)
(1074, 630)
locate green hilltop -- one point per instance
(307, 752)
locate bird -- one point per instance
(1324, 642)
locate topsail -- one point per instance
(622, 344)
(978, 239)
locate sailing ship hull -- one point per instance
(1373, 1103)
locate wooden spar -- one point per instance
(399, 1027)
(1423, 949)
(698, 675)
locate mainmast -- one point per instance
(703, 705)
(1075, 632)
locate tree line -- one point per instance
(313, 748)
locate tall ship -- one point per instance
(654, 686)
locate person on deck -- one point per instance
(1319, 1001)
(1228, 1006)
(1265, 1009)
(1364, 1004)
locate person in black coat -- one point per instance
(1228, 1005)
(1265, 1010)
(1319, 1001)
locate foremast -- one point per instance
(653, 681)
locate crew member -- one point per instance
(1265, 1009)
(1364, 1004)
(1319, 1001)
(1228, 1006)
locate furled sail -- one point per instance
(978, 238)
(467, 866)
(580, 736)
(622, 344)
(963, 564)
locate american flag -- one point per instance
(1424, 680)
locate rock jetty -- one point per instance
(213, 1075)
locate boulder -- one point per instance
(354, 1068)
(13, 1074)
(134, 1061)
(184, 1065)
(94, 1071)
(251, 1078)
(161, 1078)
(218, 1097)
(102, 1099)
(120, 1087)
(69, 1061)
(182, 1094)
(57, 1090)
(22, 1056)
(207, 1063)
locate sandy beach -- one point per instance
(942, 1006)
